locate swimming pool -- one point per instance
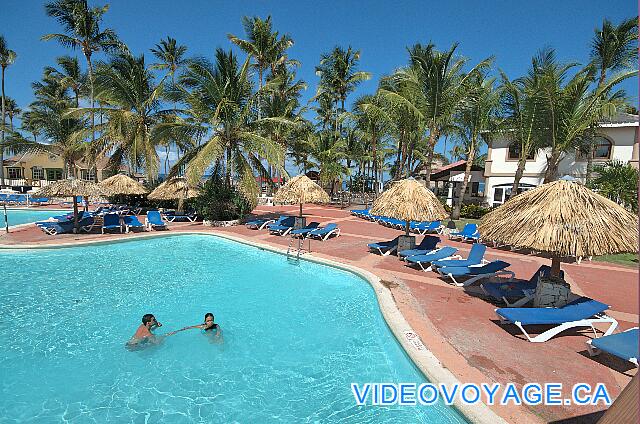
(23, 216)
(294, 337)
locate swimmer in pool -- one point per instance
(208, 327)
(143, 334)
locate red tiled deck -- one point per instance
(459, 326)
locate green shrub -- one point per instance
(219, 201)
(473, 211)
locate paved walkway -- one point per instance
(459, 325)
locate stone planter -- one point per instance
(551, 292)
(406, 243)
(221, 223)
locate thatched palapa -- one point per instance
(409, 200)
(563, 218)
(123, 184)
(300, 190)
(174, 189)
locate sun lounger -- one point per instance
(427, 244)
(39, 200)
(469, 232)
(623, 345)
(445, 252)
(476, 257)
(181, 217)
(154, 221)
(515, 294)
(282, 229)
(425, 227)
(582, 312)
(111, 222)
(476, 273)
(259, 224)
(52, 228)
(131, 222)
(302, 232)
(331, 229)
(385, 248)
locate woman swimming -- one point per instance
(209, 326)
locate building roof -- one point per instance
(455, 166)
(621, 119)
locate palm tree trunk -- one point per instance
(467, 172)
(92, 159)
(2, 139)
(375, 163)
(433, 138)
(552, 167)
(522, 161)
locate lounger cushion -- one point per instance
(489, 268)
(623, 345)
(444, 252)
(581, 308)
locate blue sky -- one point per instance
(511, 31)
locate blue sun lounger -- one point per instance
(515, 294)
(259, 224)
(427, 244)
(385, 248)
(623, 345)
(469, 232)
(302, 232)
(154, 221)
(476, 257)
(111, 222)
(191, 217)
(476, 273)
(52, 228)
(442, 253)
(331, 229)
(582, 312)
(131, 222)
(425, 227)
(283, 228)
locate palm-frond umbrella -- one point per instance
(562, 218)
(123, 184)
(300, 190)
(73, 187)
(409, 200)
(174, 189)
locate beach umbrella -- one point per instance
(174, 189)
(562, 218)
(409, 200)
(123, 184)
(72, 187)
(300, 190)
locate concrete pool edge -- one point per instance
(423, 359)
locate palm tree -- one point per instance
(172, 58)
(12, 110)
(475, 120)
(265, 46)
(435, 85)
(7, 57)
(619, 182)
(71, 76)
(613, 48)
(82, 31)
(221, 100)
(571, 108)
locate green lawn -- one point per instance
(628, 259)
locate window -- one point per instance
(54, 174)
(37, 173)
(474, 188)
(514, 152)
(14, 173)
(88, 175)
(601, 149)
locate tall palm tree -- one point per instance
(71, 76)
(477, 117)
(12, 110)
(220, 99)
(81, 25)
(374, 122)
(613, 48)
(7, 57)
(438, 85)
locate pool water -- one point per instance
(294, 337)
(24, 216)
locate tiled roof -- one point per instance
(621, 118)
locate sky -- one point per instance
(510, 31)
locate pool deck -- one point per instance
(457, 325)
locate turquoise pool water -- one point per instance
(23, 216)
(294, 337)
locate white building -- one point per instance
(446, 183)
(617, 140)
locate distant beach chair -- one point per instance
(259, 224)
(427, 245)
(515, 294)
(283, 227)
(445, 252)
(425, 227)
(476, 273)
(476, 257)
(181, 217)
(303, 232)
(39, 201)
(131, 222)
(111, 222)
(154, 221)
(331, 229)
(469, 232)
(582, 312)
(385, 248)
(623, 345)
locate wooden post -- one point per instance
(555, 266)
(6, 219)
(75, 214)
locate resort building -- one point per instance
(446, 183)
(617, 140)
